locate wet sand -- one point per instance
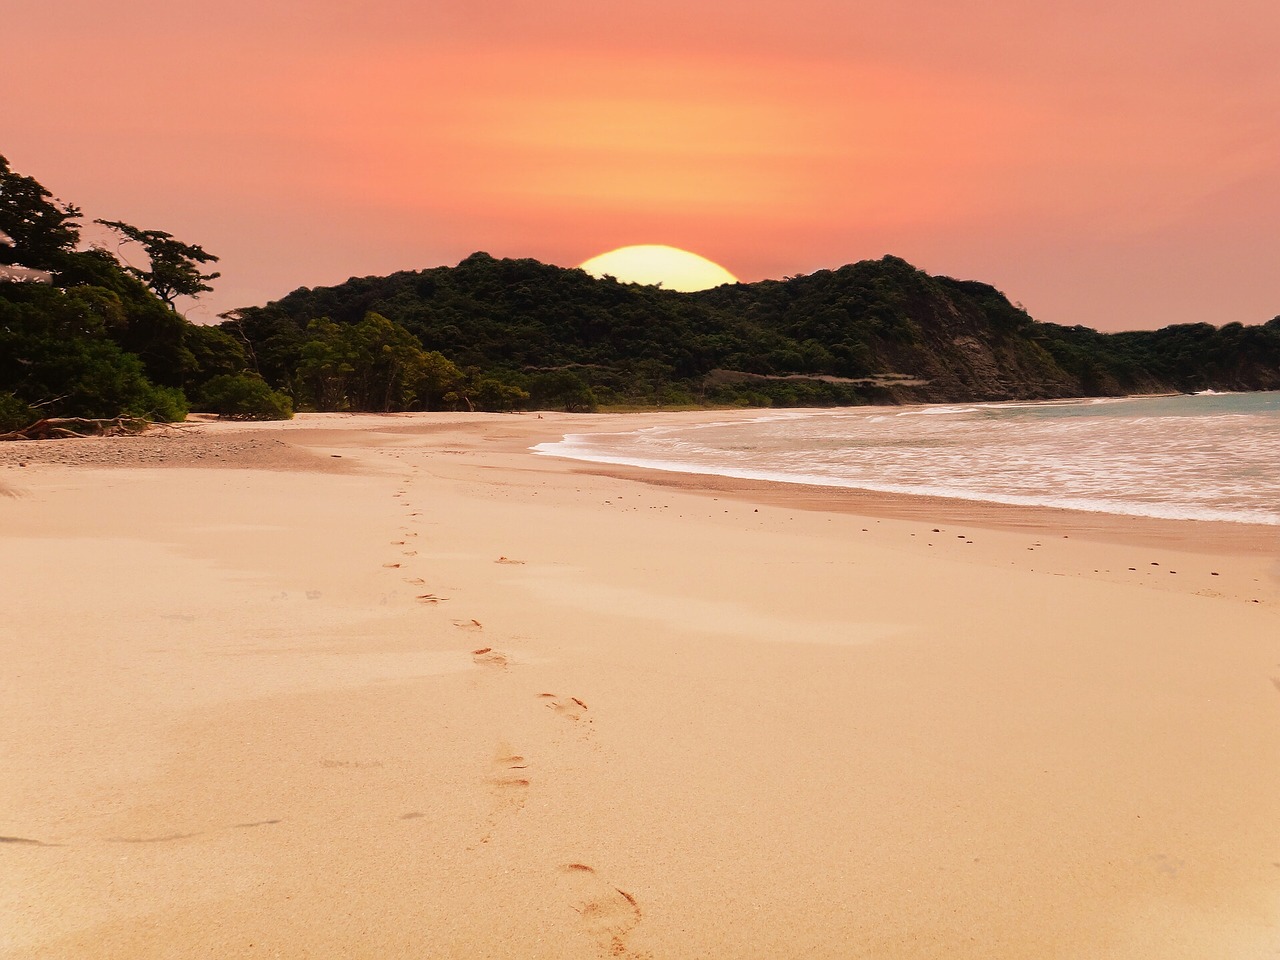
(393, 686)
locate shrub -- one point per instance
(244, 396)
(14, 414)
(163, 404)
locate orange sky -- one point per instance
(1116, 165)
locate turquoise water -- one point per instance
(1203, 457)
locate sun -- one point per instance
(655, 264)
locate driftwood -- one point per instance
(60, 428)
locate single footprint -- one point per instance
(569, 707)
(471, 624)
(489, 657)
(609, 915)
(509, 781)
(509, 560)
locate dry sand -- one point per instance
(394, 687)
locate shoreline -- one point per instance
(1196, 535)
(1207, 536)
(725, 476)
(262, 445)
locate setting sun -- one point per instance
(659, 265)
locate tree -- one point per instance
(56, 356)
(439, 376)
(98, 341)
(563, 389)
(324, 367)
(175, 266)
(215, 351)
(494, 395)
(388, 364)
(40, 229)
(374, 365)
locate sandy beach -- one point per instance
(362, 686)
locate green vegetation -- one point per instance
(104, 340)
(61, 352)
(244, 396)
(871, 332)
(94, 341)
(175, 266)
(14, 414)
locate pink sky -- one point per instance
(1116, 165)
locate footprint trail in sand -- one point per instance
(608, 914)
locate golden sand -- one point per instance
(394, 687)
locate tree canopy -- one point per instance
(97, 341)
(175, 266)
(40, 229)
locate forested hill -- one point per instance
(876, 331)
(84, 334)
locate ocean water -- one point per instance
(1202, 457)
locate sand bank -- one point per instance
(392, 686)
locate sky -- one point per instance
(1109, 164)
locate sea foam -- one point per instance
(1203, 457)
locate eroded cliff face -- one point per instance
(944, 340)
(951, 340)
(964, 354)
